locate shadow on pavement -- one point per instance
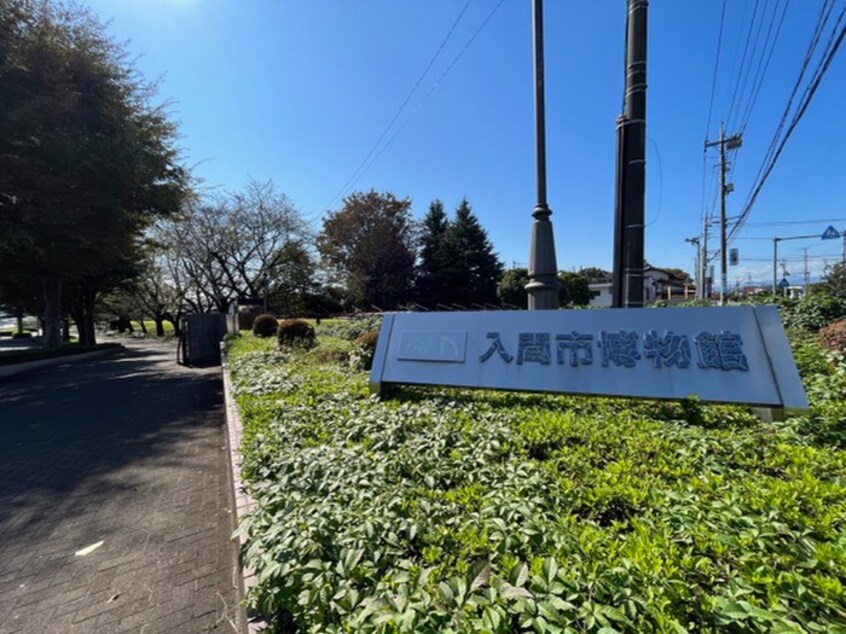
(78, 434)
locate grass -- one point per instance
(151, 327)
(444, 510)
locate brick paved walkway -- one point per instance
(128, 451)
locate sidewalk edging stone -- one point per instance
(241, 499)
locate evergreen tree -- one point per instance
(472, 268)
(432, 282)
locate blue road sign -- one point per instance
(783, 283)
(830, 234)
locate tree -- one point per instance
(472, 268)
(512, 288)
(86, 163)
(293, 287)
(834, 282)
(238, 245)
(574, 290)
(595, 274)
(432, 270)
(368, 247)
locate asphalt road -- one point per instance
(114, 498)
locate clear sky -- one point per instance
(300, 91)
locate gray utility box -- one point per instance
(201, 336)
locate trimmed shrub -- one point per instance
(295, 333)
(362, 359)
(265, 326)
(833, 336)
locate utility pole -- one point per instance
(543, 267)
(730, 143)
(697, 269)
(807, 274)
(706, 288)
(627, 281)
(775, 264)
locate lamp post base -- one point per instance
(543, 279)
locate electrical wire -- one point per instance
(778, 143)
(742, 67)
(761, 72)
(358, 170)
(785, 223)
(431, 90)
(660, 183)
(704, 210)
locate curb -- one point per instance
(241, 500)
(28, 366)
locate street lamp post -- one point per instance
(543, 282)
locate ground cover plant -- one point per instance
(442, 510)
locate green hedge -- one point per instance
(455, 511)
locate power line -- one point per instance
(741, 69)
(704, 211)
(764, 63)
(777, 145)
(716, 68)
(785, 223)
(660, 183)
(431, 90)
(358, 170)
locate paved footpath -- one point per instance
(128, 452)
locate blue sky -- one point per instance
(300, 90)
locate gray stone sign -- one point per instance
(735, 354)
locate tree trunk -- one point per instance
(52, 311)
(19, 314)
(76, 316)
(143, 325)
(160, 331)
(177, 328)
(87, 333)
(66, 336)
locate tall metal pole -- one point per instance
(618, 264)
(723, 264)
(543, 282)
(631, 168)
(775, 264)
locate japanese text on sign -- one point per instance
(624, 348)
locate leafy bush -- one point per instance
(295, 333)
(365, 349)
(265, 326)
(349, 329)
(454, 511)
(833, 336)
(812, 312)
